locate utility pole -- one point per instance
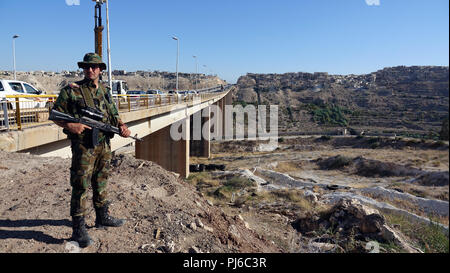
(109, 46)
(98, 28)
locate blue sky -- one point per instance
(231, 37)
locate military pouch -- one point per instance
(95, 137)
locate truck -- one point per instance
(119, 87)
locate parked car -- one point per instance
(13, 87)
(175, 93)
(154, 92)
(136, 93)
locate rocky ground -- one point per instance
(319, 193)
(163, 213)
(310, 194)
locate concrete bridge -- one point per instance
(156, 124)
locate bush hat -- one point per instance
(92, 58)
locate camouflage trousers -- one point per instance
(90, 166)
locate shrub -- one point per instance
(374, 145)
(238, 183)
(325, 138)
(335, 162)
(328, 114)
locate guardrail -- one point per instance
(22, 111)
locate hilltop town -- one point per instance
(52, 82)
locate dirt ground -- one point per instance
(393, 164)
(163, 213)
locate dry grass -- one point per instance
(202, 180)
(430, 192)
(430, 238)
(289, 197)
(288, 166)
(265, 221)
(408, 206)
(414, 158)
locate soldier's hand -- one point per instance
(124, 131)
(77, 128)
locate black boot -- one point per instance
(103, 219)
(80, 234)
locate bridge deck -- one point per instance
(143, 114)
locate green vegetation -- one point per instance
(328, 114)
(431, 135)
(374, 142)
(238, 183)
(235, 184)
(287, 196)
(202, 181)
(243, 103)
(430, 238)
(375, 145)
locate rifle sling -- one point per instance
(89, 100)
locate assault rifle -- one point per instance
(89, 118)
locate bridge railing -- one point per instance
(128, 103)
(21, 111)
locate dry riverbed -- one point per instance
(406, 181)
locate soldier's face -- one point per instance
(92, 72)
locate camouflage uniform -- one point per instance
(90, 165)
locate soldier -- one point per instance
(91, 149)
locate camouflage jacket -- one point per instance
(71, 100)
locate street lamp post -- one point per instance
(178, 53)
(196, 72)
(208, 70)
(14, 54)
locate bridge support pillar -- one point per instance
(218, 121)
(201, 133)
(161, 148)
(227, 100)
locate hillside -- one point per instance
(402, 100)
